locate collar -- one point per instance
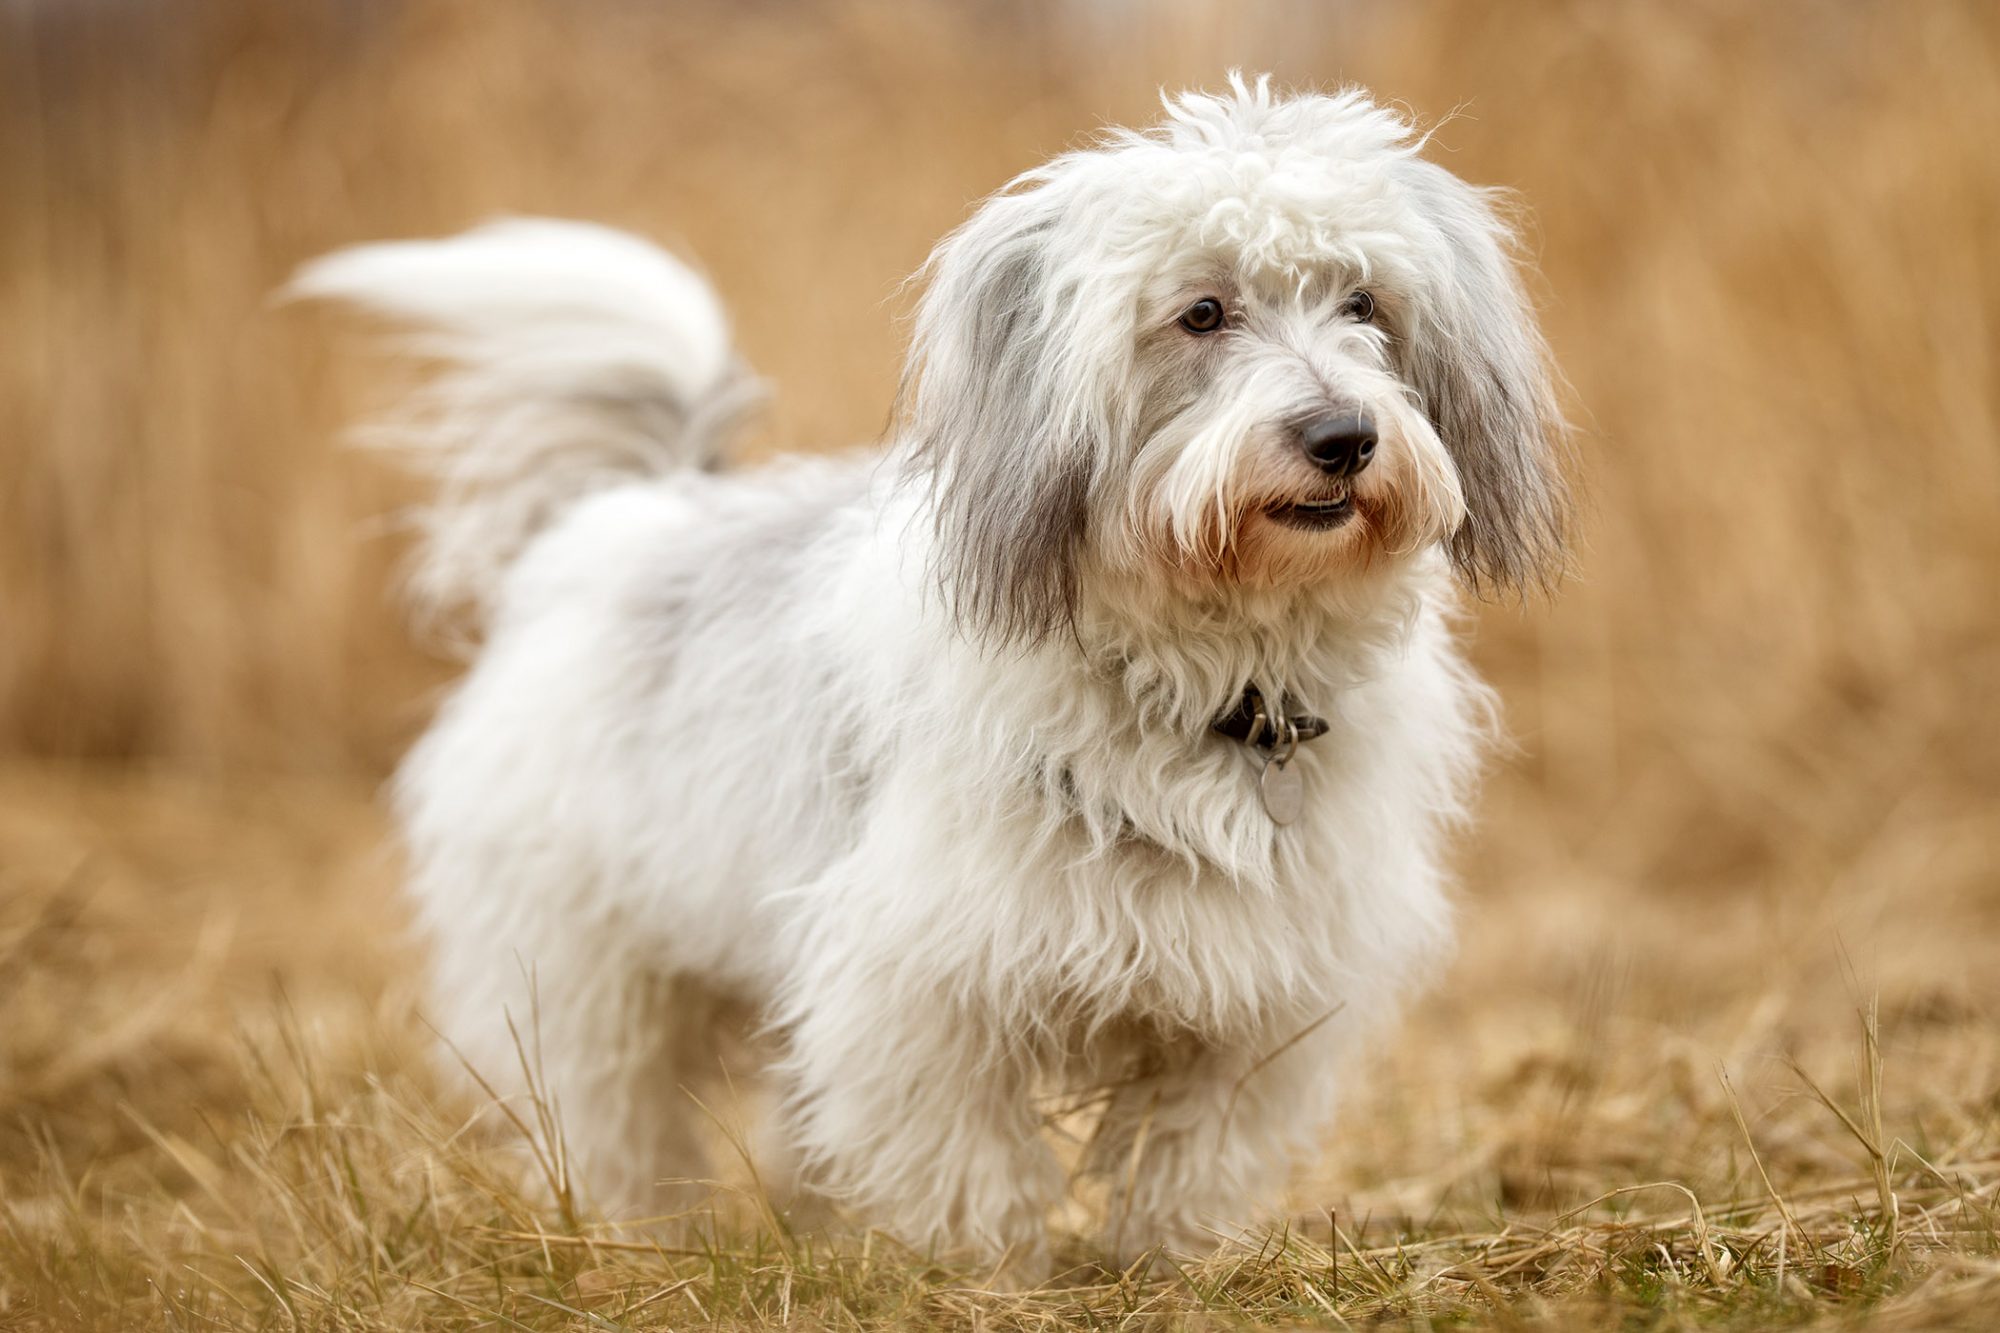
(1255, 723)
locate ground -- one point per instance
(1613, 1112)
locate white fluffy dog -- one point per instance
(1105, 734)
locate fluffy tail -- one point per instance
(576, 357)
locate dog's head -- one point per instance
(1259, 346)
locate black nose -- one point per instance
(1339, 445)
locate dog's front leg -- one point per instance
(911, 1116)
(912, 1110)
(1195, 1137)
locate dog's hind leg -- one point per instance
(595, 1053)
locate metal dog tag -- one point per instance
(1284, 792)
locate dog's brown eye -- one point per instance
(1204, 316)
(1360, 307)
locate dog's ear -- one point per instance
(999, 421)
(1471, 348)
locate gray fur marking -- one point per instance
(1009, 471)
(1480, 365)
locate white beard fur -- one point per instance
(726, 744)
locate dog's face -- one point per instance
(1260, 346)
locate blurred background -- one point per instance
(1758, 741)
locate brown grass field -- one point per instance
(1722, 1047)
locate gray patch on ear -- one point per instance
(1474, 353)
(1008, 469)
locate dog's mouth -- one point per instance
(1319, 515)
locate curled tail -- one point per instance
(576, 357)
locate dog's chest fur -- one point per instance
(1112, 860)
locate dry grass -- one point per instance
(1756, 798)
